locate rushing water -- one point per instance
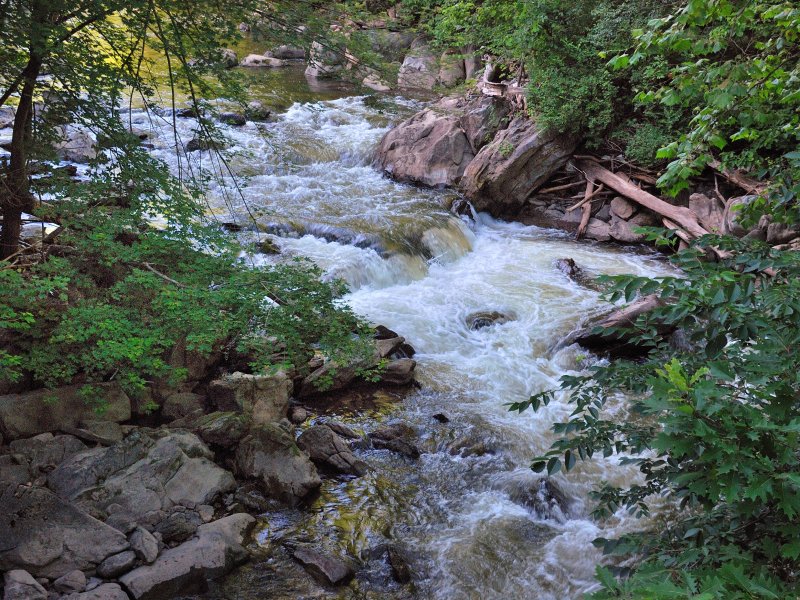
(467, 514)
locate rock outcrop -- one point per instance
(330, 451)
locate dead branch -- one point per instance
(751, 186)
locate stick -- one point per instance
(751, 186)
(587, 199)
(558, 188)
(587, 209)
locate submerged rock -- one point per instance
(396, 437)
(327, 449)
(324, 568)
(479, 320)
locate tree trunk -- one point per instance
(16, 195)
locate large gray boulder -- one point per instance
(513, 166)
(49, 537)
(185, 569)
(420, 68)
(20, 585)
(261, 398)
(41, 411)
(324, 63)
(270, 456)
(139, 479)
(106, 591)
(75, 144)
(45, 451)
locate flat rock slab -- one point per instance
(326, 569)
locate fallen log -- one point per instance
(751, 186)
(587, 209)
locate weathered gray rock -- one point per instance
(298, 415)
(261, 398)
(97, 431)
(229, 58)
(76, 144)
(141, 476)
(20, 585)
(256, 111)
(330, 451)
(72, 582)
(387, 347)
(482, 118)
(269, 454)
(260, 60)
(487, 318)
(399, 372)
(396, 437)
(420, 68)
(182, 404)
(324, 568)
(598, 230)
(622, 208)
(215, 550)
(429, 149)
(45, 451)
(48, 537)
(7, 114)
(233, 118)
(710, 212)
(106, 591)
(287, 52)
(398, 562)
(324, 63)
(622, 231)
(179, 525)
(144, 544)
(221, 428)
(14, 470)
(735, 205)
(32, 413)
(507, 171)
(116, 564)
(451, 69)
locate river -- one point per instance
(470, 516)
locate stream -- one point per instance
(471, 518)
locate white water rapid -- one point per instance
(470, 513)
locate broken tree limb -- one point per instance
(587, 209)
(559, 188)
(586, 199)
(751, 186)
(683, 217)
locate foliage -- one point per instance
(715, 427)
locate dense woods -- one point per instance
(693, 94)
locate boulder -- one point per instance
(508, 170)
(420, 69)
(298, 415)
(233, 118)
(544, 497)
(7, 114)
(261, 398)
(622, 208)
(429, 149)
(45, 451)
(375, 82)
(229, 58)
(202, 145)
(106, 591)
(622, 231)
(135, 481)
(186, 569)
(568, 267)
(398, 562)
(387, 347)
(179, 525)
(14, 470)
(97, 431)
(487, 318)
(182, 404)
(116, 564)
(330, 451)
(75, 144)
(323, 63)
(399, 372)
(260, 60)
(287, 52)
(221, 428)
(40, 411)
(482, 118)
(48, 537)
(326, 569)
(451, 69)
(144, 544)
(396, 437)
(256, 111)
(20, 585)
(269, 454)
(710, 212)
(735, 205)
(598, 230)
(74, 581)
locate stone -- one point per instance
(76, 144)
(568, 267)
(399, 565)
(32, 413)
(780, 233)
(428, 149)
(20, 585)
(74, 581)
(256, 111)
(374, 81)
(622, 231)
(221, 428)
(544, 497)
(298, 415)
(45, 451)
(396, 437)
(342, 430)
(451, 69)
(262, 398)
(288, 52)
(7, 114)
(622, 208)
(269, 455)
(329, 451)
(14, 470)
(735, 205)
(48, 537)
(260, 60)
(144, 544)
(487, 318)
(508, 170)
(202, 145)
(598, 230)
(420, 69)
(324, 568)
(482, 118)
(178, 525)
(229, 58)
(323, 63)
(387, 347)
(399, 372)
(142, 475)
(105, 591)
(116, 564)
(186, 569)
(233, 118)
(97, 431)
(182, 404)
(710, 212)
